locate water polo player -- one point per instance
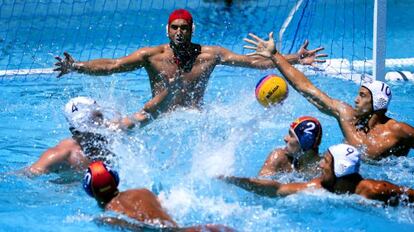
(84, 117)
(101, 183)
(301, 150)
(340, 174)
(180, 66)
(365, 126)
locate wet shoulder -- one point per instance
(69, 143)
(399, 128)
(156, 50)
(379, 190)
(127, 198)
(278, 160)
(279, 156)
(369, 188)
(345, 110)
(137, 193)
(210, 50)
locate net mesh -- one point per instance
(32, 32)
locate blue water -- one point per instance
(178, 155)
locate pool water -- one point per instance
(179, 154)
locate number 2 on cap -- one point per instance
(309, 129)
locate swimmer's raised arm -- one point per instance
(269, 188)
(296, 78)
(301, 83)
(303, 56)
(103, 66)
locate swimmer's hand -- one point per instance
(64, 66)
(121, 124)
(265, 48)
(138, 119)
(310, 57)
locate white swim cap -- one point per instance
(380, 92)
(78, 112)
(346, 158)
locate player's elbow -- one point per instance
(35, 170)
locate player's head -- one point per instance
(373, 96)
(180, 27)
(346, 158)
(308, 133)
(342, 160)
(100, 182)
(82, 114)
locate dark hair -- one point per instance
(94, 145)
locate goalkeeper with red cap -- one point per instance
(181, 67)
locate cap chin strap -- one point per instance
(192, 29)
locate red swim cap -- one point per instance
(100, 181)
(181, 14)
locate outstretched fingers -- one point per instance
(271, 35)
(256, 37)
(251, 41)
(250, 47)
(321, 55)
(68, 57)
(252, 54)
(305, 44)
(62, 64)
(316, 50)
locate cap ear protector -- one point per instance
(193, 28)
(100, 180)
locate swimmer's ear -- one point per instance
(193, 29)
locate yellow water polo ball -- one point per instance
(271, 90)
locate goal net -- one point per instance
(32, 32)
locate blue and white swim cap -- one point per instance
(78, 112)
(346, 158)
(380, 92)
(308, 131)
